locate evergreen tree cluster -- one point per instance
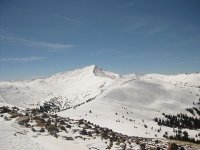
(182, 136)
(179, 121)
(191, 111)
(197, 110)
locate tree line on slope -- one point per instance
(182, 121)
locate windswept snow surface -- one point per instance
(125, 103)
(14, 137)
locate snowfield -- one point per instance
(15, 137)
(126, 104)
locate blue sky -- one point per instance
(43, 37)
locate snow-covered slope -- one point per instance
(69, 88)
(183, 79)
(127, 104)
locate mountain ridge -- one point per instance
(90, 79)
(94, 66)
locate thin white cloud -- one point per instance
(157, 30)
(146, 26)
(21, 59)
(146, 29)
(69, 19)
(66, 18)
(53, 45)
(28, 42)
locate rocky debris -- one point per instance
(28, 111)
(69, 138)
(142, 146)
(122, 145)
(62, 128)
(40, 121)
(34, 112)
(4, 109)
(45, 115)
(23, 120)
(7, 118)
(42, 130)
(62, 122)
(85, 130)
(14, 114)
(33, 129)
(53, 130)
(48, 123)
(54, 116)
(182, 148)
(68, 126)
(172, 146)
(28, 125)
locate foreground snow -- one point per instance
(18, 135)
(13, 136)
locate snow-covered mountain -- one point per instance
(77, 86)
(126, 104)
(133, 101)
(70, 88)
